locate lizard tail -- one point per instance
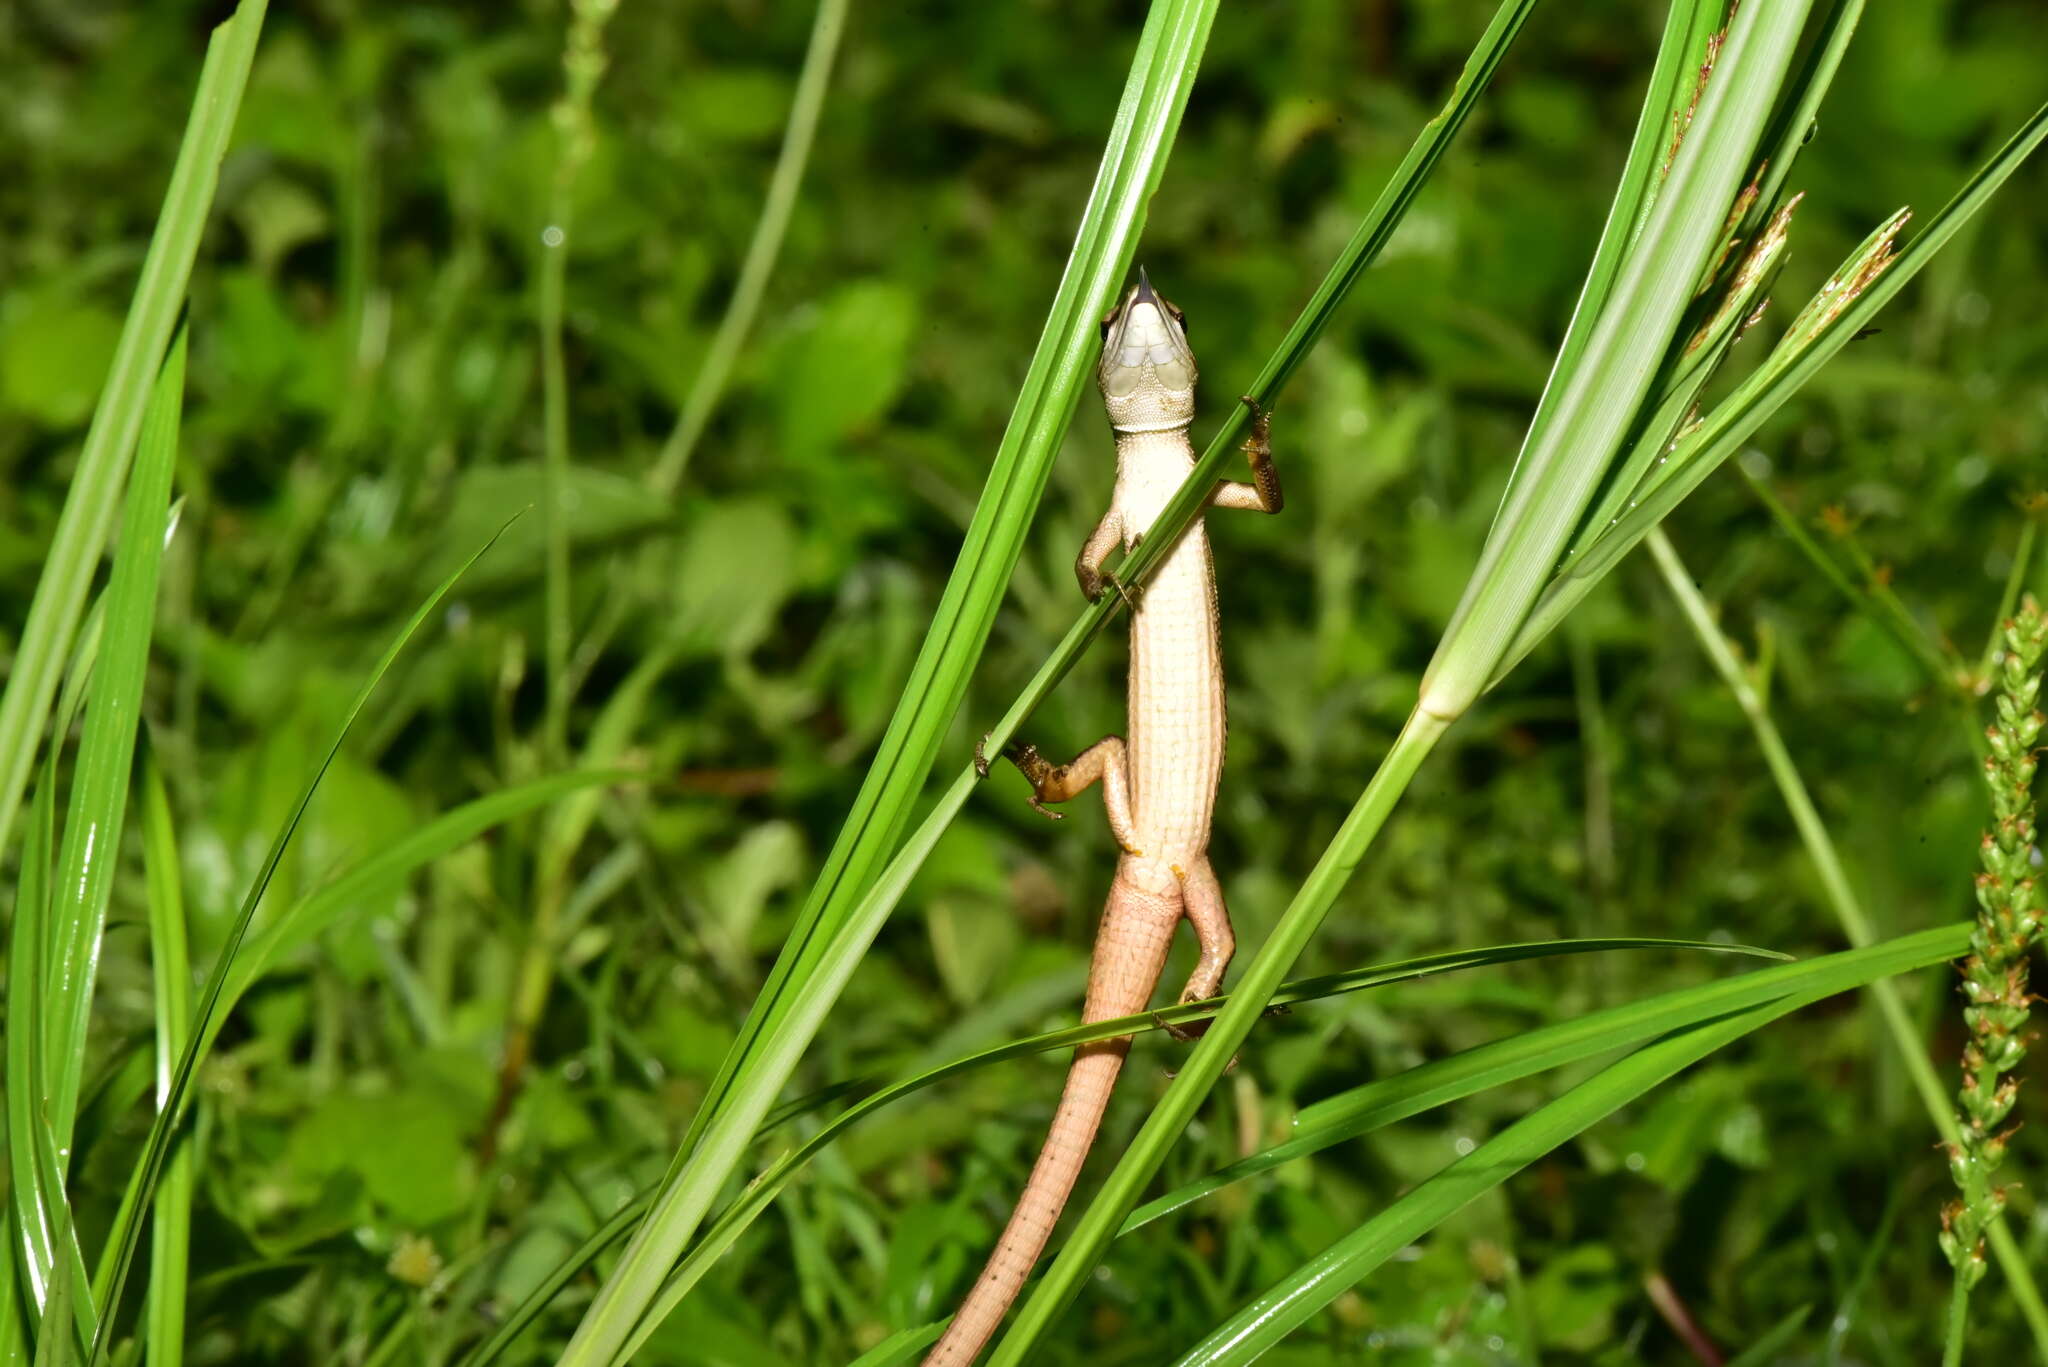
(1130, 950)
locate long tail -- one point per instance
(1130, 950)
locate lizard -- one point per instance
(1158, 779)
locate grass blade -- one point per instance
(44, 1235)
(106, 754)
(1842, 900)
(1738, 416)
(127, 1226)
(1363, 1109)
(1292, 1301)
(782, 1020)
(709, 385)
(1586, 411)
(103, 463)
(763, 1190)
(170, 1229)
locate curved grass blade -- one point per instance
(117, 420)
(106, 754)
(1361, 1110)
(791, 1005)
(1798, 356)
(1292, 1301)
(44, 1237)
(726, 1230)
(127, 1226)
(170, 1227)
(388, 869)
(763, 1189)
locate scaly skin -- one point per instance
(1158, 782)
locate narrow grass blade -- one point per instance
(763, 1190)
(44, 1236)
(106, 753)
(1365, 1108)
(826, 976)
(103, 463)
(170, 1230)
(782, 1022)
(1292, 1301)
(1585, 413)
(709, 385)
(1841, 897)
(1737, 417)
(127, 1226)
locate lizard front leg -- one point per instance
(1108, 534)
(1104, 762)
(1263, 493)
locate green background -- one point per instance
(364, 409)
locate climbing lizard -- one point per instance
(1158, 781)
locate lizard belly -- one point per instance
(1176, 726)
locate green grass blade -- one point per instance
(321, 910)
(1162, 74)
(836, 962)
(1586, 412)
(106, 753)
(769, 1184)
(127, 1226)
(170, 1230)
(708, 387)
(1365, 1108)
(1841, 899)
(103, 463)
(1271, 1316)
(1732, 422)
(763, 1190)
(44, 1236)
(1675, 63)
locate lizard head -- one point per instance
(1147, 372)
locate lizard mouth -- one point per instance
(1145, 339)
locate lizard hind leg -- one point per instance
(1202, 899)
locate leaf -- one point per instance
(844, 369)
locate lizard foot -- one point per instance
(1038, 771)
(1130, 594)
(981, 757)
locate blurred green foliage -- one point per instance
(364, 410)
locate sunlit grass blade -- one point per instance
(1360, 1110)
(763, 1190)
(1271, 1316)
(1587, 410)
(93, 821)
(170, 1230)
(74, 551)
(44, 1237)
(1795, 360)
(784, 1018)
(127, 1227)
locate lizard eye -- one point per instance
(1180, 319)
